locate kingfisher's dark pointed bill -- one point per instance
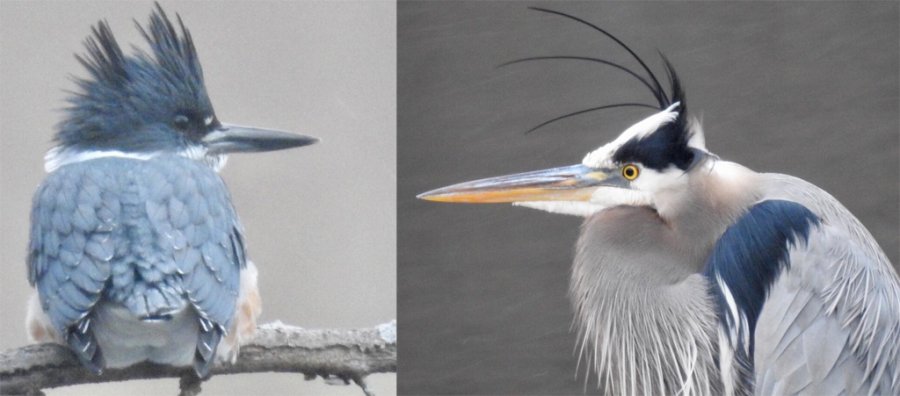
(230, 138)
(568, 183)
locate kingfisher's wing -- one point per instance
(195, 223)
(151, 235)
(71, 247)
(804, 307)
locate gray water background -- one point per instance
(807, 89)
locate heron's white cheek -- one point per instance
(574, 208)
(611, 196)
(666, 189)
(654, 182)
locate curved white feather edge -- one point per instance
(58, 157)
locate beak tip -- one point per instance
(438, 195)
(425, 196)
(308, 141)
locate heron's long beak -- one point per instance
(229, 138)
(569, 183)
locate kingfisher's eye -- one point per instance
(182, 121)
(630, 172)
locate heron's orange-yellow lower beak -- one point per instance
(570, 183)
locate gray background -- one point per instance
(807, 89)
(319, 220)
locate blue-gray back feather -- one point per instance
(155, 236)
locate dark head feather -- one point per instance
(675, 85)
(668, 145)
(129, 102)
(105, 61)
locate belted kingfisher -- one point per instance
(136, 251)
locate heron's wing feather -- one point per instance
(196, 225)
(840, 284)
(750, 255)
(831, 322)
(71, 247)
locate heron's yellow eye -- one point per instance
(630, 172)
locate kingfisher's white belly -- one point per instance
(125, 340)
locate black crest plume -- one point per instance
(175, 54)
(650, 81)
(668, 145)
(124, 93)
(105, 61)
(172, 51)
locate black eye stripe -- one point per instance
(666, 146)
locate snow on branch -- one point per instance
(342, 355)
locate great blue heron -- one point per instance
(697, 275)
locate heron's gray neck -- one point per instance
(645, 322)
(644, 317)
(719, 193)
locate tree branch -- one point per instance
(342, 355)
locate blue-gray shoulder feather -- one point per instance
(807, 302)
(745, 262)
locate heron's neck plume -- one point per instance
(657, 344)
(641, 330)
